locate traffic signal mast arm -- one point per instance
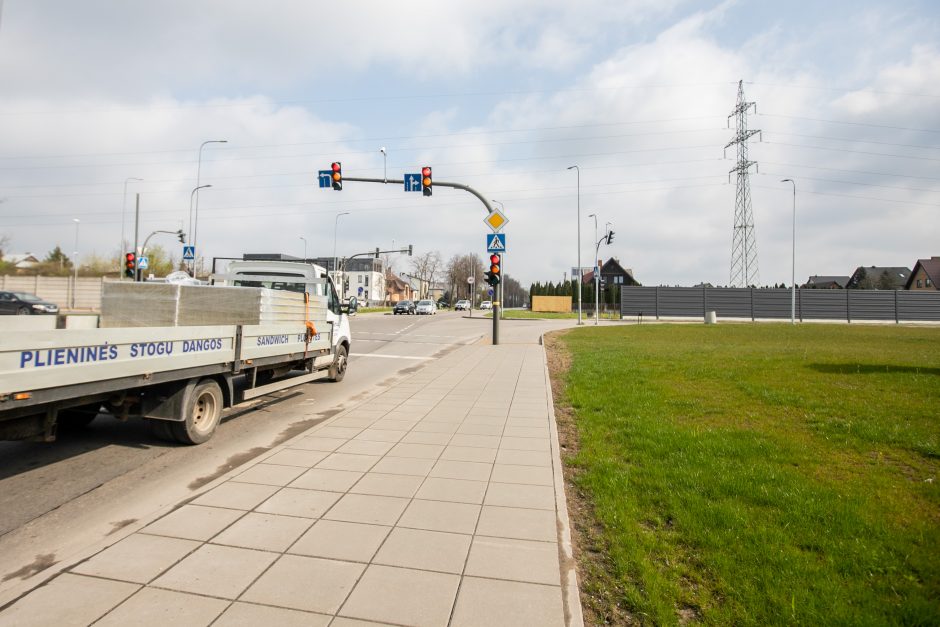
(466, 188)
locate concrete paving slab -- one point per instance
(346, 461)
(138, 558)
(453, 490)
(441, 516)
(473, 471)
(250, 615)
(469, 454)
(351, 542)
(264, 532)
(297, 457)
(305, 583)
(300, 502)
(234, 495)
(514, 522)
(404, 466)
(218, 571)
(526, 475)
(424, 550)
(360, 446)
(329, 480)
(270, 474)
(194, 522)
(423, 437)
(381, 435)
(507, 604)
(482, 441)
(517, 560)
(152, 607)
(516, 495)
(526, 444)
(388, 594)
(524, 458)
(388, 485)
(365, 508)
(319, 443)
(66, 601)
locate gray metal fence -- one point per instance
(753, 303)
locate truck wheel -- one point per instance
(203, 413)
(338, 369)
(161, 430)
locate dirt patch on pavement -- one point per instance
(41, 563)
(600, 600)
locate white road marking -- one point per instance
(389, 356)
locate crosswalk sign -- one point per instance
(189, 253)
(496, 243)
(143, 263)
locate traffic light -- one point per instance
(494, 275)
(182, 236)
(426, 180)
(610, 237)
(410, 249)
(130, 265)
(337, 175)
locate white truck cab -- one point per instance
(300, 277)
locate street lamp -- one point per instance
(75, 262)
(198, 173)
(121, 250)
(793, 258)
(191, 225)
(305, 246)
(597, 272)
(574, 167)
(384, 164)
(335, 267)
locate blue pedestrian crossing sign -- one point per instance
(496, 243)
(413, 182)
(143, 263)
(189, 253)
(325, 177)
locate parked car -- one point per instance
(426, 308)
(443, 304)
(486, 305)
(24, 304)
(404, 307)
(462, 305)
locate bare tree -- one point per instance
(459, 269)
(426, 268)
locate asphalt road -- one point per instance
(60, 498)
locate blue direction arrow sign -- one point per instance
(325, 177)
(496, 243)
(413, 182)
(189, 253)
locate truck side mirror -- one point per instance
(351, 306)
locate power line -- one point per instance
(893, 128)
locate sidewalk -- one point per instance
(439, 501)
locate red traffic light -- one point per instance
(336, 167)
(337, 176)
(426, 180)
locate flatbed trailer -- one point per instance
(179, 378)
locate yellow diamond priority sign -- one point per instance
(496, 220)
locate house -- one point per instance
(364, 277)
(826, 282)
(925, 276)
(21, 261)
(879, 278)
(396, 289)
(612, 273)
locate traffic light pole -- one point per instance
(497, 305)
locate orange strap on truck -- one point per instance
(311, 329)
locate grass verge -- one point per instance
(753, 474)
(546, 315)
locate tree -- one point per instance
(426, 268)
(885, 282)
(459, 268)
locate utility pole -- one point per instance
(744, 245)
(137, 238)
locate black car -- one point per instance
(24, 304)
(404, 307)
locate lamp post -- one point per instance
(121, 250)
(191, 226)
(597, 272)
(384, 164)
(335, 267)
(305, 246)
(75, 262)
(198, 173)
(575, 167)
(793, 258)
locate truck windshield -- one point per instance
(295, 285)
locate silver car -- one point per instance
(426, 307)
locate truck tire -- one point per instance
(338, 369)
(203, 412)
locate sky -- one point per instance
(501, 96)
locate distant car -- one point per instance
(486, 305)
(404, 307)
(462, 305)
(426, 308)
(443, 304)
(24, 304)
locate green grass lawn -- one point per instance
(759, 473)
(374, 310)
